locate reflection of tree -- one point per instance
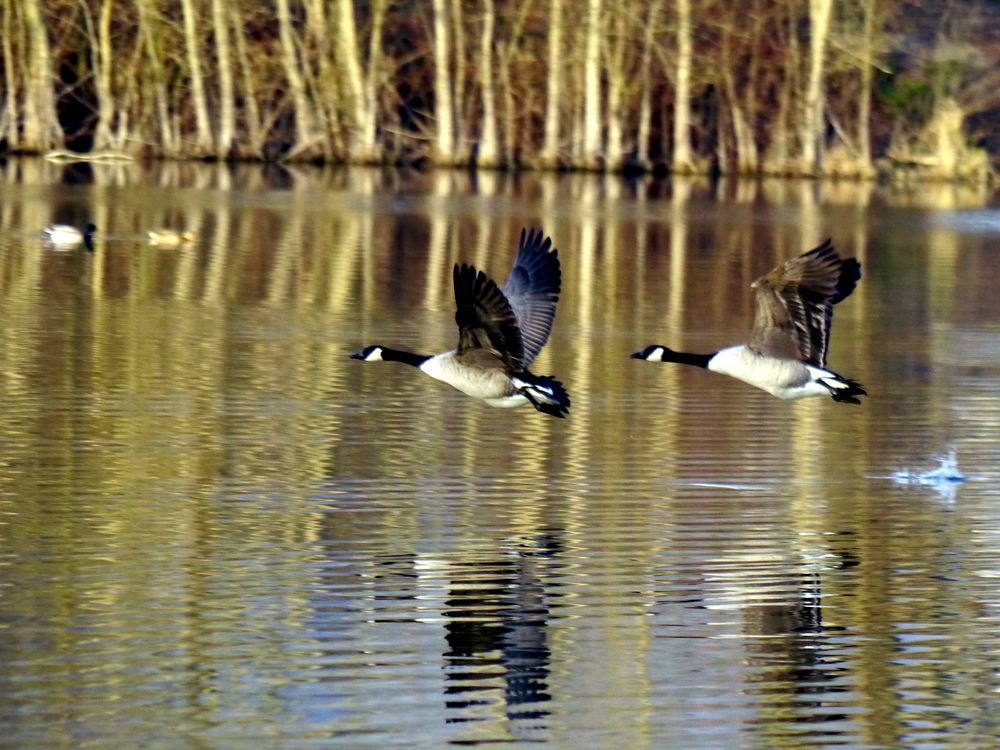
(216, 370)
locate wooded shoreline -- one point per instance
(854, 89)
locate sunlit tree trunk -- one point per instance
(330, 106)
(683, 161)
(203, 128)
(744, 159)
(508, 109)
(155, 76)
(614, 149)
(102, 62)
(10, 124)
(645, 116)
(812, 115)
(462, 104)
(865, 96)
(553, 86)
(227, 109)
(369, 128)
(444, 139)
(507, 52)
(592, 88)
(353, 84)
(488, 155)
(248, 97)
(305, 118)
(780, 149)
(41, 130)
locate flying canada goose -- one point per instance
(786, 355)
(500, 331)
(170, 238)
(67, 237)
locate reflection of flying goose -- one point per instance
(501, 330)
(786, 355)
(170, 238)
(66, 236)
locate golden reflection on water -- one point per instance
(188, 447)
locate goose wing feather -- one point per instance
(486, 321)
(794, 304)
(533, 290)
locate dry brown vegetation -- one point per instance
(789, 87)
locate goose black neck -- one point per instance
(407, 358)
(688, 358)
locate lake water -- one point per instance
(218, 531)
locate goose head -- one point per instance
(655, 353)
(369, 354)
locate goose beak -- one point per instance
(358, 355)
(637, 355)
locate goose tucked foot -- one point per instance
(545, 393)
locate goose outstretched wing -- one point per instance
(794, 304)
(533, 290)
(486, 321)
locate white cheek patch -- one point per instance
(657, 353)
(375, 355)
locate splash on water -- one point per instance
(944, 479)
(947, 472)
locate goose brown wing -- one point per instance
(486, 322)
(533, 290)
(794, 304)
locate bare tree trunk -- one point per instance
(506, 53)
(227, 104)
(41, 125)
(305, 118)
(203, 127)
(462, 104)
(576, 124)
(592, 88)
(812, 115)
(360, 136)
(157, 83)
(645, 83)
(553, 88)
(614, 151)
(102, 57)
(444, 141)
(369, 128)
(488, 155)
(251, 112)
(10, 125)
(326, 90)
(867, 77)
(508, 116)
(744, 159)
(779, 154)
(683, 161)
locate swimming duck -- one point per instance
(786, 354)
(170, 238)
(500, 332)
(67, 237)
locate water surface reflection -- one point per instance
(215, 526)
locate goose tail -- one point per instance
(843, 390)
(544, 392)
